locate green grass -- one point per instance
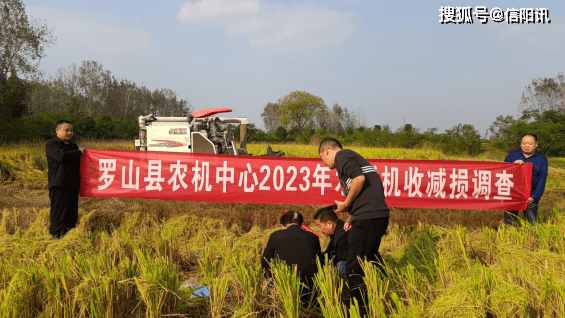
(556, 162)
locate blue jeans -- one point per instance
(530, 214)
(341, 268)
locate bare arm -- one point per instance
(354, 189)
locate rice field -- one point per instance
(129, 257)
(310, 151)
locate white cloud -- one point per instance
(280, 28)
(80, 33)
(207, 10)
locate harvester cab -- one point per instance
(191, 134)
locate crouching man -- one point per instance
(294, 246)
(330, 225)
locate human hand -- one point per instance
(340, 206)
(347, 226)
(530, 200)
(81, 150)
(520, 162)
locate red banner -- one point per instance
(436, 184)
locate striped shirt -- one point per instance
(370, 202)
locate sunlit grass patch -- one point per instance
(555, 178)
(556, 162)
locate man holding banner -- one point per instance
(63, 175)
(528, 153)
(369, 214)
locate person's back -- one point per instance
(294, 246)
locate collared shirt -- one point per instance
(338, 243)
(539, 170)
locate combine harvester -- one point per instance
(192, 134)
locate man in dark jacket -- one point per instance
(369, 214)
(294, 246)
(63, 161)
(330, 225)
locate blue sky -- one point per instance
(391, 62)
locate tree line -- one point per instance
(92, 90)
(303, 117)
(103, 105)
(89, 94)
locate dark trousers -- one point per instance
(364, 241)
(531, 214)
(64, 210)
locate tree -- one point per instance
(22, 40)
(281, 134)
(91, 89)
(299, 109)
(550, 129)
(334, 118)
(544, 94)
(13, 98)
(271, 118)
(463, 132)
(502, 128)
(431, 131)
(338, 118)
(464, 137)
(93, 82)
(104, 126)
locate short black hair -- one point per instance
(326, 214)
(329, 142)
(62, 121)
(532, 135)
(292, 217)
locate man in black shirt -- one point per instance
(365, 201)
(63, 161)
(329, 223)
(294, 246)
